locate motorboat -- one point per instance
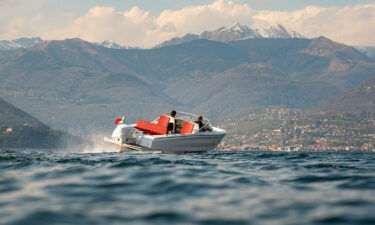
(156, 136)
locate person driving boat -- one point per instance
(202, 126)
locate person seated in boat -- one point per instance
(206, 127)
(172, 123)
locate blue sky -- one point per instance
(148, 22)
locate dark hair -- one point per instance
(200, 118)
(173, 113)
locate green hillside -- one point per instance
(358, 99)
(13, 116)
(18, 129)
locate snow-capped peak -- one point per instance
(237, 27)
(30, 42)
(112, 44)
(238, 31)
(20, 43)
(278, 31)
(243, 30)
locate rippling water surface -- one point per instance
(217, 187)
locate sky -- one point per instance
(145, 23)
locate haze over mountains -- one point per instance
(367, 50)
(80, 86)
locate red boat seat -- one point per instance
(187, 128)
(151, 128)
(164, 121)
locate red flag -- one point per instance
(122, 120)
(118, 121)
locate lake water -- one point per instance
(217, 187)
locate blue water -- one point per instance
(217, 187)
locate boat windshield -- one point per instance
(189, 117)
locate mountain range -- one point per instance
(31, 42)
(79, 86)
(234, 33)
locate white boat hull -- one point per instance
(185, 143)
(172, 143)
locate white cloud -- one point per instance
(195, 19)
(139, 28)
(351, 25)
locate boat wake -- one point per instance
(92, 144)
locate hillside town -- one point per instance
(291, 130)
